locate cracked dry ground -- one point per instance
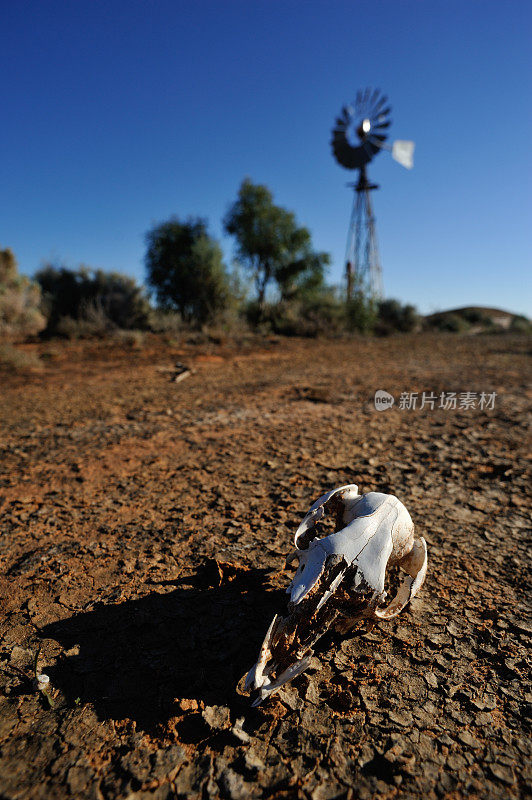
(144, 528)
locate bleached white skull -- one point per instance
(340, 579)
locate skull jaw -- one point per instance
(287, 648)
(272, 678)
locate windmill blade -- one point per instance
(385, 112)
(380, 125)
(374, 98)
(345, 113)
(403, 153)
(378, 140)
(382, 102)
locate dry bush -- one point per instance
(226, 323)
(85, 302)
(92, 322)
(134, 339)
(161, 321)
(15, 360)
(20, 299)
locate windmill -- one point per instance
(360, 132)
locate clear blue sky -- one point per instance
(118, 114)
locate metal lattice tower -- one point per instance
(362, 261)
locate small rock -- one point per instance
(138, 764)
(483, 718)
(454, 630)
(487, 703)
(343, 661)
(365, 755)
(21, 657)
(253, 761)
(239, 731)
(452, 690)
(166, 762)
(400, 717)
(369, 698)
(328, 790)
(234, 784)
(312, 694)
(522, 625)
(392, 754)
(188, 704)
(466, 738)
(461, 717)
(79, 778)
(456, 761)
(502, 773)
(431, 680)
(217, 717)
(424, 719)
(289, 696)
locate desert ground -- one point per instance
(145, 523)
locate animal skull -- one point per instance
(340, 579)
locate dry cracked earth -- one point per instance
(144, 528)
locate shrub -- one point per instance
(450, 322)
(133, 339)
(91, 323)
(392, 316)
(475, 316)
(320, 315)
(520, 324)
(325, 314)
(88, 302)
(361, 313)
(20, 298)
(162, 321)
(15, 360)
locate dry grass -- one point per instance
(15, 360)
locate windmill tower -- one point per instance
(359, 134)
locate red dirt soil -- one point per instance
(144, 528)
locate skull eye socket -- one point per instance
(305, 539)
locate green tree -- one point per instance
(272, 246)
(185, 268)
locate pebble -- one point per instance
(400, 717)
(217, 717)
(234, 784)
(431, 680)
(468, 739)
(502, 773)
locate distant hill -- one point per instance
(475, 319)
